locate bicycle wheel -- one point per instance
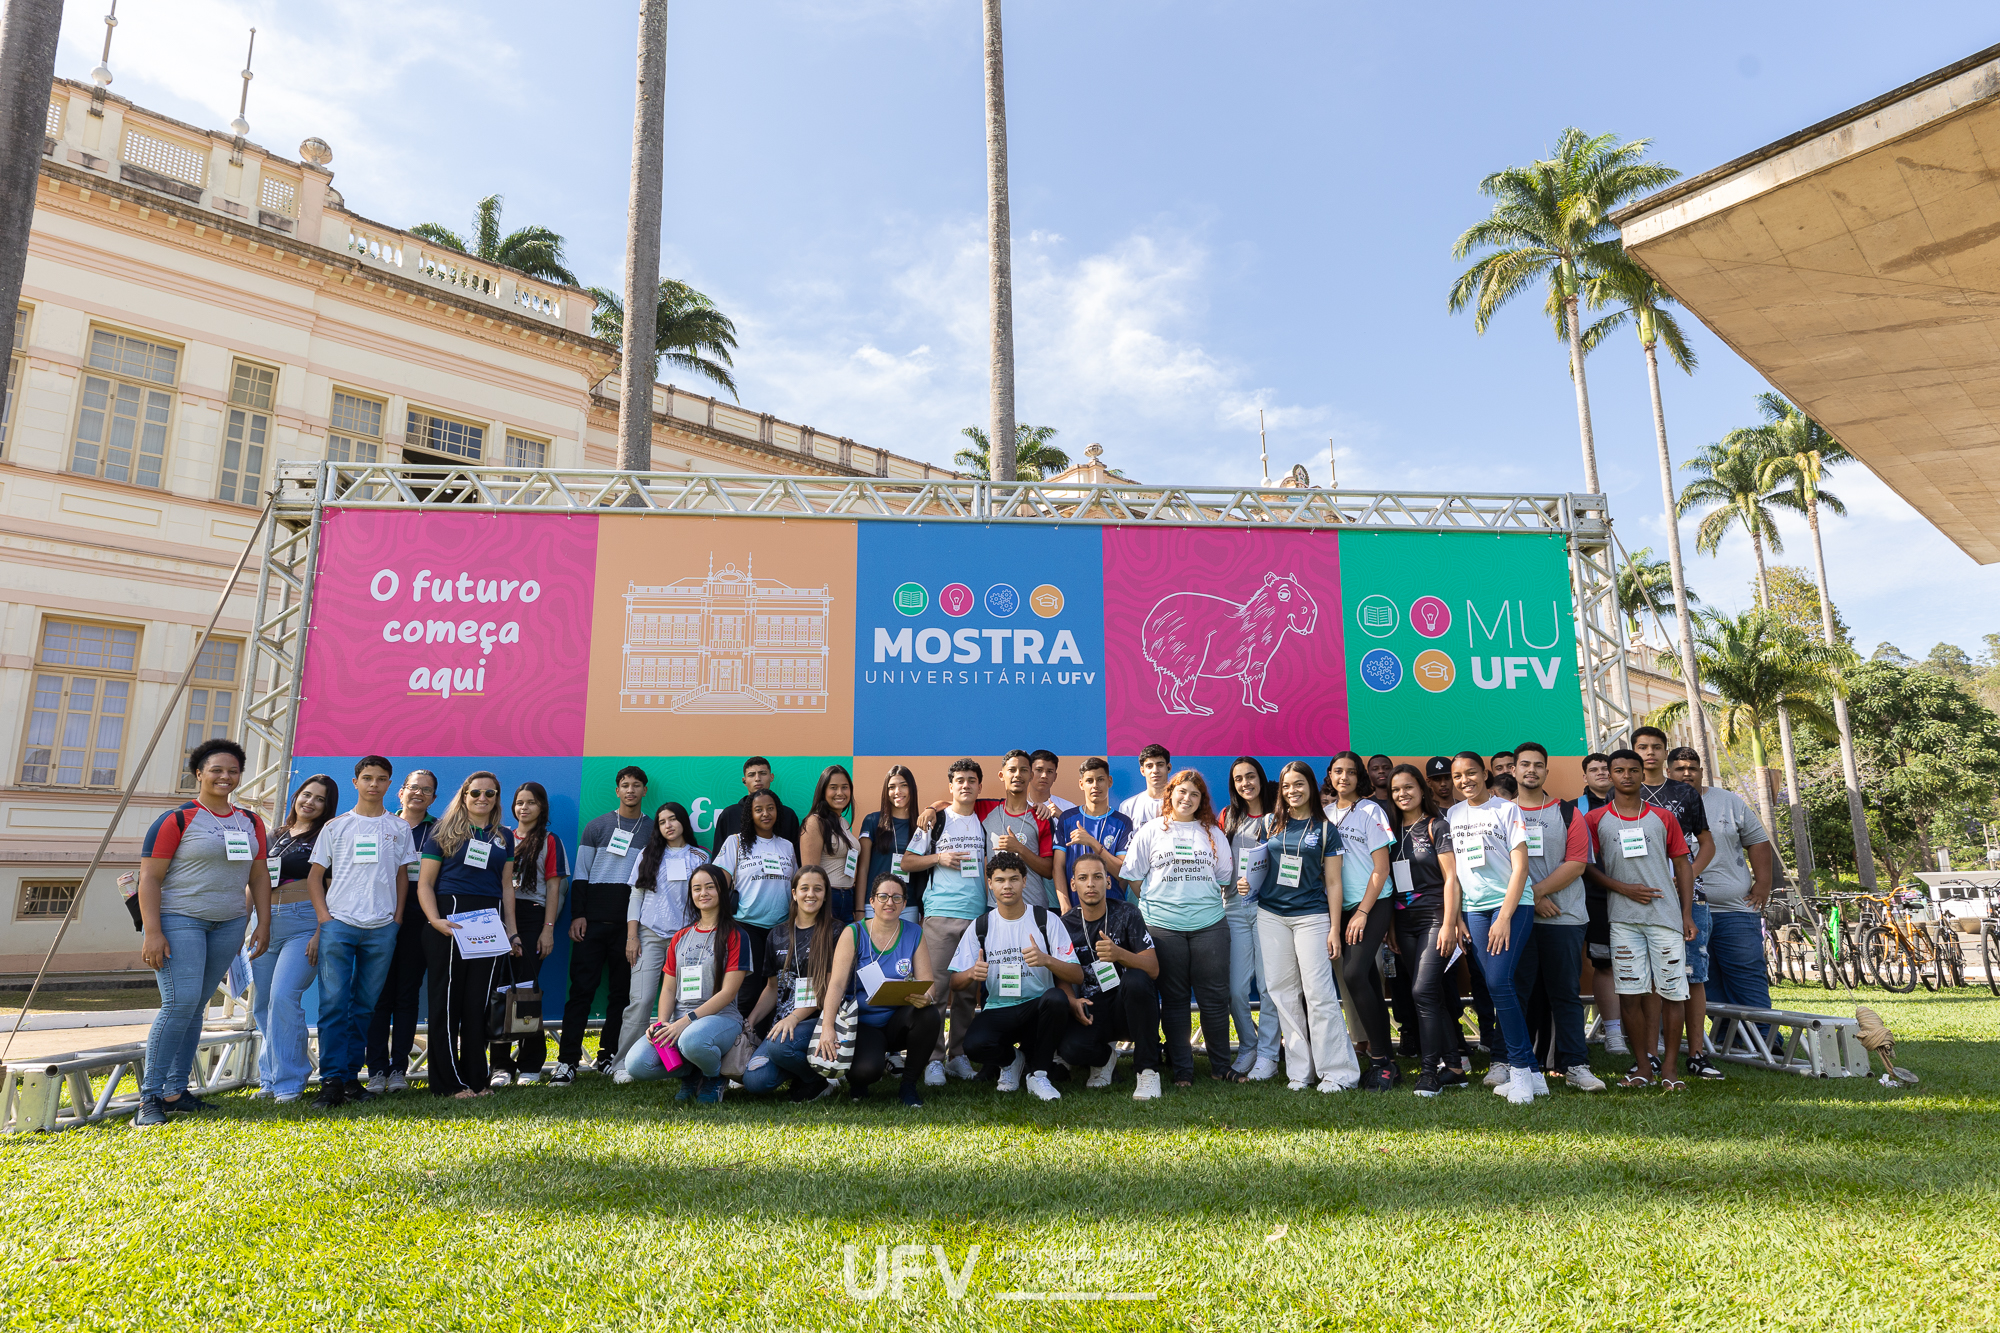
(1850, 958)
(1929, 969)
(1828, 952)
(1892, 963)
(1951, 956)
(1774, 958)
(1864, 961)
(1795, 955)
(1989, 954)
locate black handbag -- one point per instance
(515, 1009)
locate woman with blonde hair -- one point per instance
(467, 860)
(1179, 866)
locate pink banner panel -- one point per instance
(1224, 641)
(449, 634)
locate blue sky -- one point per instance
(1217, 208)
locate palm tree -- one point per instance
(999, 251)
(1800, 452)
(534, 250)
(1549, 224)
(687, 325)
(1762, 670)
(1643, 301)
(1645, 581)
(645, 192)
(1034, 457)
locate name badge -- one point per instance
(689, 986)
(411, 871)
(968, 866)
(1106, 974)
(236, 845)
(1009, 986)
(853, 860)
(1405, 885)
(621, 843)
(802, 994)
(1471, 850)
(477, 853)
(1289, 869)
(1534, 839)
(1632, 841)
(896, 866)
(367, 850)
(272, 865)
(1184, 843)
(774, 867)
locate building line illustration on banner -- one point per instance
(1191, 635)
(729, 642)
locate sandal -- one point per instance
(1672, 1085)
(1230, 1076)
(1635, 1080)
(1184, 1080)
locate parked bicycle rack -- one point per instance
(1813, 1044)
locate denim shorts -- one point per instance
(1697, 952)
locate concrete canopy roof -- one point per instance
(1856, 264)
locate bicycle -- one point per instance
(1902, 951)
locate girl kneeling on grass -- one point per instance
(795, 962)
(706, 964)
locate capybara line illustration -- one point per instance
(1188, 635)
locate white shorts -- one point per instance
(1649, 959)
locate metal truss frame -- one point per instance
(305, 491)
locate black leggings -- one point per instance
(455, 1049)
(1363, 980)
(911, 1030)
(1416, 938)
(1195, 963)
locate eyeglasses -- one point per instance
(890, 897)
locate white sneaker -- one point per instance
(1328, 1085)
(397, 1083)
(1499, 1075)
(896, 1062)
(1614, 1044)
(1263, 1069)
(1298, 1085)
(1580, 1078)
(1010, 1077)
(1520, 1090)
(1038, 1083)
(621, 1076)
(1100, 1076)
(934, 1074)
(501, 1078)
(960, 1067)
(1541, 1082)
(377, 1083)
(1149, 1086)
(536, 1077)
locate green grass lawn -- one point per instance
(1767, 1201)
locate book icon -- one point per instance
(1378, 616)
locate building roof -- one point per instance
(1856, 265)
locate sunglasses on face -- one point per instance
(483, 795)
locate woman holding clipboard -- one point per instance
(466, 860)
(880, 951)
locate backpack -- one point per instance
(1041, 924)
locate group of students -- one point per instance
(1034, 937)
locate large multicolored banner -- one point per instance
(559, 648)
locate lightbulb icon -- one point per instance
(1430, 617)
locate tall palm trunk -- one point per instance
(1857, 817)
(1582, 392)
(28, 30)
(1684, 624)
(1757, 758)
(642, 244)
(1801, 840)
(1000, 254)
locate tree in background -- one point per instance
(1929, 752)
(1948, 659)
(534, 250)
(1890, 653)
(1795, 600)
(1758, 667)
(691, 333)
(1034, 457)
(1646, 582)
(1549, 224)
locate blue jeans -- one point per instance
(1256, 1038)
(777, 1060)
(353, 964)
(1553, 956)
(703, 1045)
(1704, 929)
(282, 976)
(1498, 969)
(1736, 972)
(198, 957)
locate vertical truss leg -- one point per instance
(1600, 640)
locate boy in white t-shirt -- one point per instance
(358, 889)
(1023, 956)
(1157, 766)
(955, 899)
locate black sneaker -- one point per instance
(562, 1075)
(185, 1104)
(1377, 1075)
(1448, 1077)
(152, 1113)
(1429, 1084)
(603, 1063)
(356, 1094)
(332, 1093)
(1699, 1063)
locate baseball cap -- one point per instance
(1437, 766)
